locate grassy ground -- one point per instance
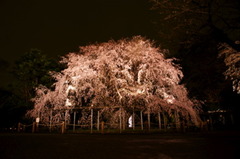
(211, 145)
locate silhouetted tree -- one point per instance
(183, 22)
(12, 109)
(31, 70)
(193, 30)
(232, 61)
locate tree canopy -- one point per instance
(193, 30)
(184, 22)
(129, 73)
(31, 70)
(232, 61)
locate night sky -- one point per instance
(58, 27)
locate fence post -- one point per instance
(149, 122)
(124, 121)
(74, 120)
(91, 121)
(164, 121)
(33, 127)
(65, 119)
(63, 127)
(19, 127)
(24, 128)
(50, 122)
(141, 120)
(159, 121)
(133, 119)
(183, 126)
(102, 126)
(120, 120)
(98, 121)
(211, 122)
(177, 122)
(188, 121)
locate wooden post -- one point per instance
(65, 119)
(63, 127)
(98, 123)
(188, 121)
(141, 120)
(176, 120)
(37, 124)
(91, 121)
(211, 122)
(164, 121)
(133, 119)
(50, 122)
(124, 120)
(120, 120)
(74, 121)
(19, 127)
(24, 128)
(183, 126)
(202, 124)
(102, 127)
(33, 127)
(149, 122)
(159, 121)
(223, 120)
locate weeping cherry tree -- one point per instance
(129, 73)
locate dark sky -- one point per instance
(58, 27)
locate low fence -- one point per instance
(160, 125)
(134, 122)
(101, 127)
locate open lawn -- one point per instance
(211, 145)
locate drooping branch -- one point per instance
(127, 73)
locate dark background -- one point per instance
(60, 27)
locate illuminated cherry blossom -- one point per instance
(129, 73)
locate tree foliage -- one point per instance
(129, 73)
(232, 61)
(193, 30)
(184, 22)
(31, 70)
(11, 109)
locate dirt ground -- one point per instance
(211, 145)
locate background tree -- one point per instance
(31, 70)
(12, 109)
(192, 30)
(232, 61)
(184, 22)
(129, 73)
